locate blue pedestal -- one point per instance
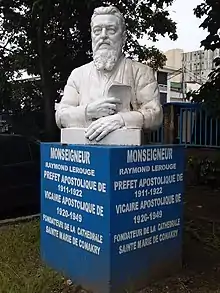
(112, 216)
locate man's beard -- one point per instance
(105, 59)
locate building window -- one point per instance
(162, 77)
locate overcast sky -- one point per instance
(189, 33)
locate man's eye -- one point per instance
(111, 31)
(97, 31)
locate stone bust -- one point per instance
(112, 91)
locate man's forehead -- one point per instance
(106, 19)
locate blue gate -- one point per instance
(197, 128)
(193, 126)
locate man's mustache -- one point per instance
(101, 42)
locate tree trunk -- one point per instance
(47, 85)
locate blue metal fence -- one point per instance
(193, 126)
(157, 136)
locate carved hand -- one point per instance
(103, 126)
(101, 108)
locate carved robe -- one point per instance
(133, 82)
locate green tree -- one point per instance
(209, 93)
(49, 38)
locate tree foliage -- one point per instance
(209, 93)
(49, 38)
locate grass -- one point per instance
(21, 270)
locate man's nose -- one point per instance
(104, 33)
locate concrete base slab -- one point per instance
(121, 136)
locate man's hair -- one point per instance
(112, 10)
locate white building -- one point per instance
(198, 64)
(174, 62)
(22, 75)
(194, 67)
(170, 91)
(190, 70)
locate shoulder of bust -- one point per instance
(141, 67)
(84, 67)
(142, 73)
(78, 72)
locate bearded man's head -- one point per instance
(108, 37)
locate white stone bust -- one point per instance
(112, 91)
